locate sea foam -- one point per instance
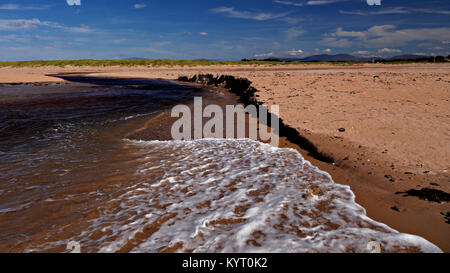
(237, 195)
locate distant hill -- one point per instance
(408, 57)
(351, 58)
(331, 58)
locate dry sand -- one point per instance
(396, 120)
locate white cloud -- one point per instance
(19, 24)
(204, 33)
(9, 7)
(389, 50)
(19, 7)
(294, 32)
(30, 24)
(361, 52)
(139, 6)
(434, 11)
(436, 48)
(341, 33)
(81, 29)
(289, 3)
(395, 10)
(307, 3)
(259, 16)
(322, 2)
(293, 53)
(384, 36)
(264, 55)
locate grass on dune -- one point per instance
(148, 62)
(169, 62)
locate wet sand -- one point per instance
(396, 123)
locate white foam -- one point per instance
(16, 208)
(233, 195)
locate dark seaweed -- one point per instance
(428, 194)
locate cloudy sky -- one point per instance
(220, 29)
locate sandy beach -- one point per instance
(386, 127)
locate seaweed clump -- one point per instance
(428, 194)
(239, 86)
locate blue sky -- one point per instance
(220, 29)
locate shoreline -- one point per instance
(329, 159)
(42, 74)
(370, 182)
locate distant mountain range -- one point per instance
(351, 58)
(339, 58)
